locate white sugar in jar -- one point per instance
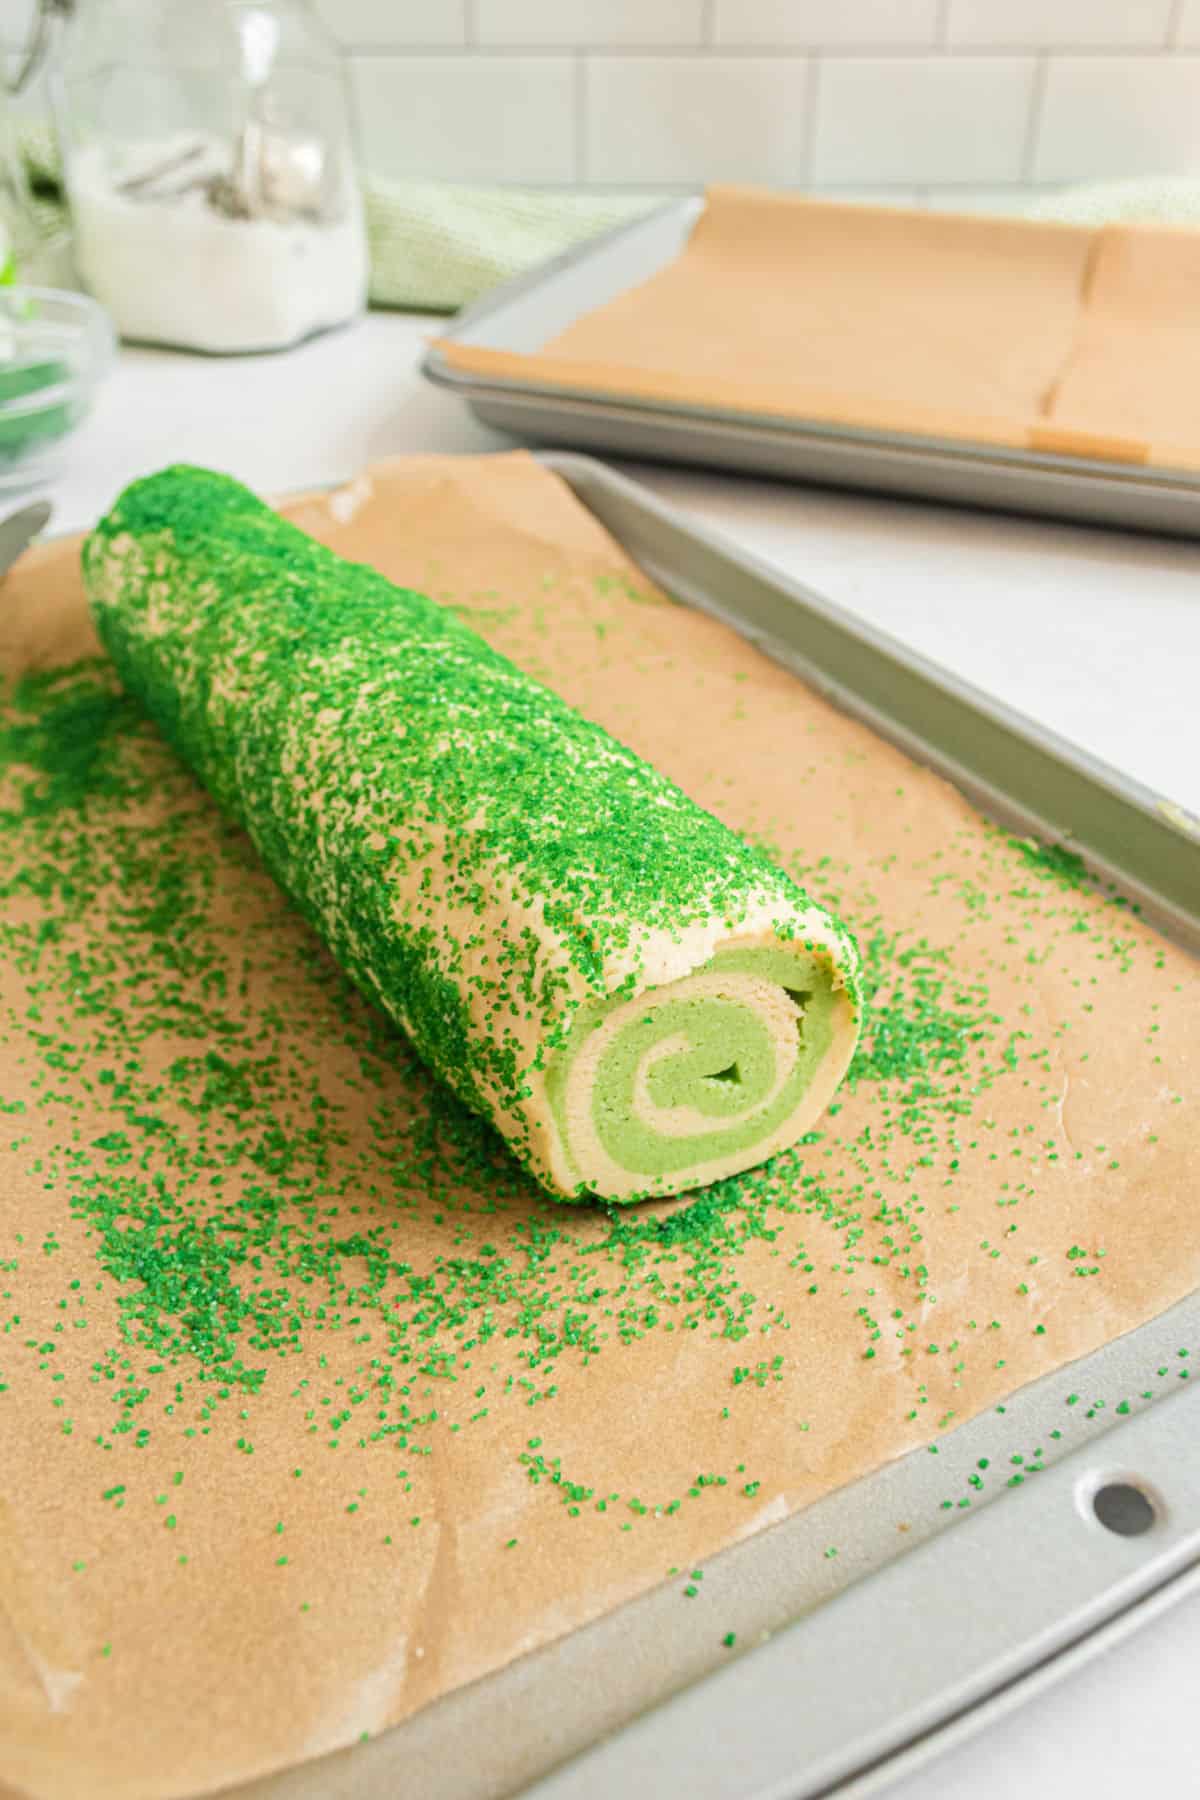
(171, 269)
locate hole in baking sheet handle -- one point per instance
(1123, 1507)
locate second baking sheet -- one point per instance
(1048, 338)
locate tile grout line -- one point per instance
(833, 190)
(1033, 125)
(850, 53)
(1174, 24)
(708, 23)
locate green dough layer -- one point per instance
(726, 1071)
(492, 869)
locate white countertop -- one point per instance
(1095, 634)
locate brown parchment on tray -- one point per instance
(1038, 336)
(313, 1410)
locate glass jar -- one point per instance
(208, 164)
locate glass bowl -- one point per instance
(55, 347)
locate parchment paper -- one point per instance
(1009, 1183)
(1031, 334)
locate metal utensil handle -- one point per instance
(936, 1633)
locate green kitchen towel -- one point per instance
(1145, 199)
(435, 245)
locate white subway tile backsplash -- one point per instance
(599, 23)
(1054, 24)
(673, 120)
(1188, 32)
(1106, 116)
(467, 117)
(400, 24)
(874, 23)
(919, 119)
(887, 96)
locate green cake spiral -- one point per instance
(633, 995)
(691, 1072)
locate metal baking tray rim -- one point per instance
(940, 719)
(479, 389)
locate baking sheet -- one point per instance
(643, 1419)
(893, 1669)
(1031, 335)
(493, 356)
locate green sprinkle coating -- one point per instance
(547, 917)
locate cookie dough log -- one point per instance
(638, 1000)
